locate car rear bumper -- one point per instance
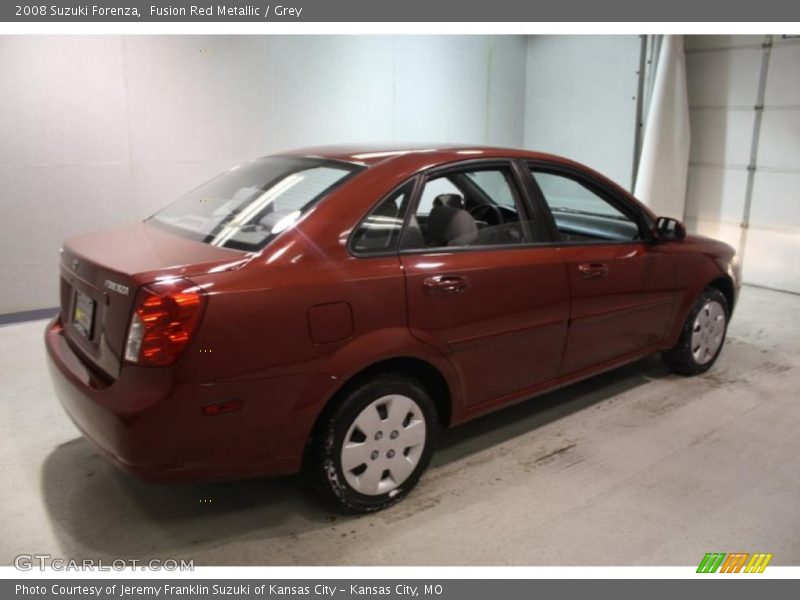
(152, 425)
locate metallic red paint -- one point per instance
(528, 323)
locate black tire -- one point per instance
(325, 460)
(680, 357)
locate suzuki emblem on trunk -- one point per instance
(117, 287)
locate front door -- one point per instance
(622, 286)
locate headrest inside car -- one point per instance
(454, 200)
(448, 225)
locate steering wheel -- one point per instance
(490, 213)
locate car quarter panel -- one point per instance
(700, 261)
(271, 319)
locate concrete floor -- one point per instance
(635, 467)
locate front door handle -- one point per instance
(446, 284)
(593, 270)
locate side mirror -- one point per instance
(668, 229)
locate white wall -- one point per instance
(580, 100)
(723, 75)
(98, 131)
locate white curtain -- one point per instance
(664, 159)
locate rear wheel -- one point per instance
(702, 336)
(375, 444)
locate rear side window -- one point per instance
(474, 207)
(380, 230)
(248, 205)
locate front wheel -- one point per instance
(375, 444)
(702, 336)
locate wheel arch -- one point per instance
(725, 285)
(415, 367)
(696, 273)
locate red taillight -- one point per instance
(165, 315)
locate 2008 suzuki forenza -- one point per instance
(330, 309)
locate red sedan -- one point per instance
(330, 309)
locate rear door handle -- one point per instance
(446, 284)
(593, 270)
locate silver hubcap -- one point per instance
(383, 445)
(707, 333)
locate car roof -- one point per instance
(428, 154)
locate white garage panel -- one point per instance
(708, 42)
(776, 200)
(724, 86)
(715, 194)
(41, 206)
(772, 251)
(715, 202)
(722, 74)
(197, 98)
(783, 83)
(507, 91)
(63, 155)
(62, 101)
(771, 259)
(580, 100)
(435, 71)
(725, 77)
(332, 90)
(779, 146)
(721, 137)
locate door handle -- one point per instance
(446, 284)
(593, 270)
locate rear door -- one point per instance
(622, 286)
(482, 285)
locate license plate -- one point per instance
(83, 313)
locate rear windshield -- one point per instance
(245, 207)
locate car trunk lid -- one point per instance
(101, 273)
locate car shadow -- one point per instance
(99, 511)
(507, 423)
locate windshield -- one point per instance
(245, 207)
